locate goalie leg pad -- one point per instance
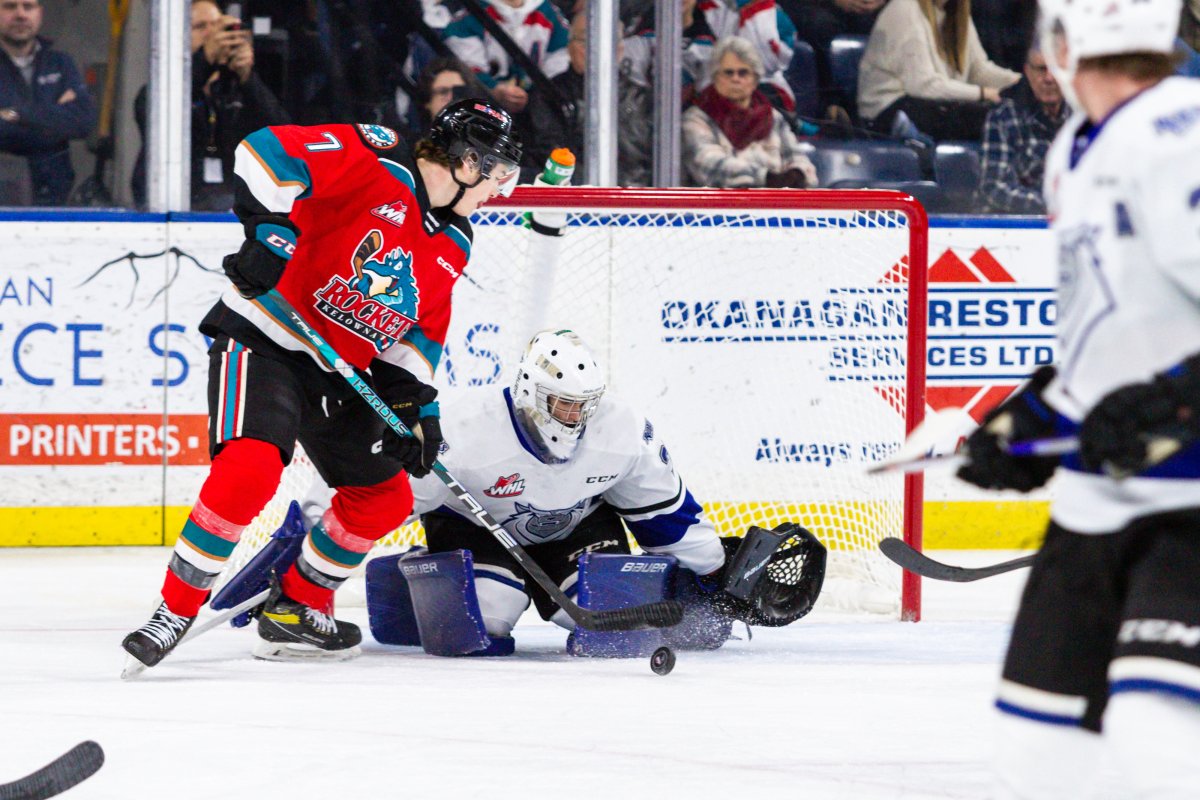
(444, 605)
(610, 581)
(277, 556)
(703, 627)
(389, 602)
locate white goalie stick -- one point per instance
(661, 614)
(133, 667)
(918, 563)
(72, 767)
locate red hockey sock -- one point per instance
(302, 590)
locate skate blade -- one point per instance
(296, 651)
(132, 669)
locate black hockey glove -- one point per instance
(259, 264)
(1019, 418)
(1137, 426)
(770, 578)
(414, 403)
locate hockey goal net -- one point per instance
(775, 338)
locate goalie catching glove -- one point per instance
(1137, 426)
(1022, 417)
(770, 578)
(415, 404)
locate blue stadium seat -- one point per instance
(957, 169)
(845, 53)
(865, 161)
(930, 195)
(801, 75)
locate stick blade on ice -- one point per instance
(69, 769)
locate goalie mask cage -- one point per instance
(775, 340)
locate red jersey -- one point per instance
(374, 264)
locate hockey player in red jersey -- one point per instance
(365, 235)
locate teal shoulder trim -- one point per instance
(283, 168)
(460, 239)
(427, 348)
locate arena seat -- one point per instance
(801, 75)
(867, 161)
(845, 53)
(957, 169)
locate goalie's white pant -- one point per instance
(501, 603)
(1150, 737)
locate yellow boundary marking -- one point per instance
(949, 525)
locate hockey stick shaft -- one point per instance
(1029, 448)
(917, 562)
(72, 767)
(651, 615)
(133, 667)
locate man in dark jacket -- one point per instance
(43, 102)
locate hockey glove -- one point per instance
(1019, 418)
(1137, 426)
(770, 578)
(259, 264)
(414, 403)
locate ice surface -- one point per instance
(831, 707)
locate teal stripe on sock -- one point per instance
(205, 542)
(331, 550)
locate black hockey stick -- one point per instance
(662, 614)
(72, 767)
(917, 562)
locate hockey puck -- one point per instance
(663, 661)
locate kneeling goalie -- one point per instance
(523, 454)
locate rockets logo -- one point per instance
(510, 486)
(394, 213)
(380, 302)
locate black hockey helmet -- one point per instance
(477, 129)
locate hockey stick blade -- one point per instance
(918, 563)
(72, 767)
(662, 614)
(133, 667)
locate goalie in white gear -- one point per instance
(1103, 659)
(560, 463)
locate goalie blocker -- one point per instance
(771, 578)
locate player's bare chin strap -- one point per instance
(462, 187)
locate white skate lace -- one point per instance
(164, 627)
(322, 622)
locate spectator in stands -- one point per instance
(635, 145)
(442, 81)
(1189, 24)
(733, 137)
(818, 21)
(229, 102)
(535, 26)
(43, 102)
(924, 59)
(1016, 136)
(1006, 29)
(768, 29)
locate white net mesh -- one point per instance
(767, 346)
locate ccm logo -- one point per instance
(633, 566)
(600, 478)
(417, 569)
(1165, 631)
(275, 240)
(446, 265)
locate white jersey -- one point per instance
(619, 461)
(1124, 203)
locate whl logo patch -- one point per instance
(509, 486)
(394, 213)
(380, 302)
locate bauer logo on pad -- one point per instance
(510, 486)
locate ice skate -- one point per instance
(151, 643)
(290, 631)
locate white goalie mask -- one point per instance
(558, 387)
(1072, 30)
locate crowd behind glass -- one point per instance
(949, 102)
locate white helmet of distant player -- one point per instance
(1076, 29)
(558, 386)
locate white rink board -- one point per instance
(142, 339)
